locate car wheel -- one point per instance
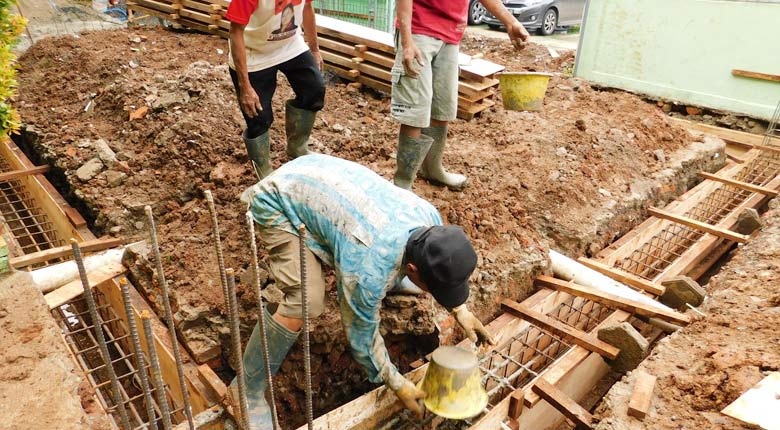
(476, 12)
(549, 22)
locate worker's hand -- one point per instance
(472, 326)
(410, 395)
(413, 59)
(318, 59)
(518, 35)
(250, 102)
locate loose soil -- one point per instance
(40, 387)
(574, 176)
(707, 365)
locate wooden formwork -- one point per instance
(664, 246)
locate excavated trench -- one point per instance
(414, 329)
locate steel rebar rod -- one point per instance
(306, 341)
(261, 320)
(217, 244)
(162, 400)
(185, 394)
(139, 355)
(235, 336)
(125, 421)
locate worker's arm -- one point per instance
(361, 324)
(517, 33)
(310, 32)
(239, 13)
(411, 54)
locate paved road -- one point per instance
(558, 41)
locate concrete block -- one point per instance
(748, 222)
(681, 290)
(633, 346)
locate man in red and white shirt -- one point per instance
(265, 38)
(425, 82)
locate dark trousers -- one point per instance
(305, 79)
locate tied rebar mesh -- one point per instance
(668, 245)
(27, 222)
(77, 328)
(515, 364)
(773, 132)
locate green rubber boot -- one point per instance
(280, 340)
(411, 152)
(259, 151)
(298, 124)
(432, 168)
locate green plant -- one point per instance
(11, 26)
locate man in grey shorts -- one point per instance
(425, 82)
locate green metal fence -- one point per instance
(378, 14)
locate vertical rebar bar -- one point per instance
(139, 355)
(185, 394)
(260, 319)
(235, 336)
(154, 360)
(98, 325)
(217, 243)
(305, 311)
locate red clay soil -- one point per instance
(707, 365)
(536, 178)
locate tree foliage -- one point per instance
(11, 26)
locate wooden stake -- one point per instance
(563, 403)
(641, 395)
(612, 300)
(64, 251)
(558, 328)
(698, 225)
(13, 174)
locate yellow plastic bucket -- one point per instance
(523, 90)
(454, 384)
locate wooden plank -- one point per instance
(13, 174)
(375, 84)
(64, 251)
(623, 276)
(755, 75)
(612, 300)
(739, 184)
(578, 337)
(728, 135)
(337, 59)
(378, 58)
(374, 71)
(568, 407)
(775, 149)
(336, 46)
(73, 289)
(641, 395)
(698, 225)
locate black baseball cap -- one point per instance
(445, 259)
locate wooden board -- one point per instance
(622, 276)
(13, 174)
(578, 337)
(355, 33)
(73, 289)
(698, 225)
(739, 184)
(64, 251)
(739, 137)
(759, 405)
(641, 395)
(612, 300)
(563, 403)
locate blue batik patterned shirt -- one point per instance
(358, 223)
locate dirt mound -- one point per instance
(136, 117)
